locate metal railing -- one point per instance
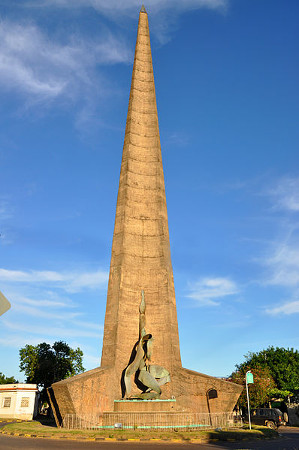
(152, 420)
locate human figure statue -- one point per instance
(151, 376)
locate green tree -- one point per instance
(283, 394)
(7, 380)
(44, 364)
(259, 391)
(282, 363)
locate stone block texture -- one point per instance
(141, 260)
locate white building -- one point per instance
(18, 401)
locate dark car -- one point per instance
(269, 417)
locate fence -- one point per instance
(152, 420)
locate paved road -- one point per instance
(289, 441)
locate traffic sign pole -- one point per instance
(248, 379)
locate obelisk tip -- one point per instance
(143, 10)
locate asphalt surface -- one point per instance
(289, 441)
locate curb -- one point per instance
(97, 439)
(11, 420)
(102, 439)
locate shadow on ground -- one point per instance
(241, 434)
(45, 420)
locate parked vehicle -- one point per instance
(269, 417)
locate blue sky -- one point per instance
(226, 74)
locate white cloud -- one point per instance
(41, 303)
(54, 330)
(282, 256)
(43, 69)
(91, 280)
(68, 281)
(207, 290)
(34, 64)
(13, 340)
(41, 312)
(40, 306)
(287, 309)
(285, 194)
(282, 264)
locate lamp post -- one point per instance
(249, 380)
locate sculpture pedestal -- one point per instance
(159, 414)
(141, 413)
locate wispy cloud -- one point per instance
(285, 195)
(207, 291)
(41, 312)
(68, 281)
(5, 237)
(6, 213)
(13, 340)
(41, 303)
(115, 6)
(288, 308)
(283, 270)
(46, 306)
(177, 138)
(5, 210)
(281, 258)
(43, 69)
(32, 63)
(284, 265)
(54, 331)
(163, 13)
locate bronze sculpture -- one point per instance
(152, 376)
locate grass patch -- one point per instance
(44, 430)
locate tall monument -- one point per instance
(141, 251)
(141, 261)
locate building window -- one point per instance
(6, 402)
(25, 402)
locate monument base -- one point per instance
(136, 405)
(167, 420)
(94, 393)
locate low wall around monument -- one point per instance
(156, 420)
(93, 394)
(192, 392)
(85, 394)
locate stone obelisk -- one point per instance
(141, 261)
(141, 250)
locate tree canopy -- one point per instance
(275, 372)
(260, 390)
(7, 380)
(44, 364)
(282, 363)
